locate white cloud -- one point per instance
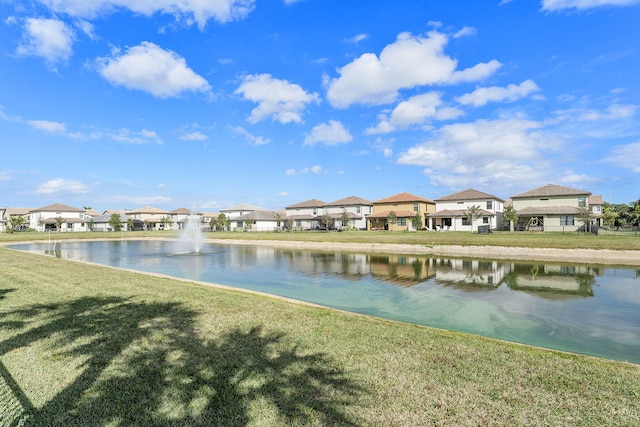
(283, 194)
(55, 127)
(415, 111)
(253, 140)
(150, 68)
(50, 39)
(409, 62)
(61, 185)
(464, 32)
(554, 5)
(128, 136)
(315, 170)
(512, 92)
(625, 156)
(194, 136)
(187, 11)
(278, 99)
(492, 153)
(358, 38)
(331, 133)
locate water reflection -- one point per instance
(578, 308)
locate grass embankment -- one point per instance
(91, 345)
(573, 240)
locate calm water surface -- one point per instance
(577, 308)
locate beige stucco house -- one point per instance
(153, 218)
(405, 206)
(550, 208)
(303, 215)
(46, 218)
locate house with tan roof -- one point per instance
(402, 207)
(260, 220)
(233, 214)
(182, 216)
(303, 215)
(153, 218)
(48, 217)
(349, 212)
(452, 211)
(7, 213)
(550, 208)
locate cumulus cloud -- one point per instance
(50, 39)
(278, 99)
(252, 139)
(128, 136)
(315, 170)
(415, 111)
(625, 156)
(554, 5)
(408, 62)
(61, 185)
(148, 67)
(187, 11)
(56, 128)
(512, 92)
(498, 153)
(330, 133)
(194, 136)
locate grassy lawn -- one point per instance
(90, 345)
(616, 241)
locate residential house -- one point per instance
(8, 213)
(209, 219)
(304, 215)
(260, 220)
(353, 208)
(452, 211)
(234, 213)
(550, 208)
(181, 216)
(48, 218)
(2, 220)
(153, 218)
(404, 206)
(596, 204)
(102, 223)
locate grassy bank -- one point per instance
(617, 241)
(90, 345)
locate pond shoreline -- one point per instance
(582, 256)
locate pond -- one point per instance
(584, 309)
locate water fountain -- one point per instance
(191, 238)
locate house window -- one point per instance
(582, 202)
(239, 224)
(566, 220)
(298, 223)
(315, 212)
(415, 207)
(402, 222)
(485, 220)
(357, 209)
(466, 220)
(489, 205)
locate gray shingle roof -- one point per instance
(468, 194)
(551, 190)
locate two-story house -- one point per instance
(68, 218)
(234, 214)
(352, 209)
(396, 212)
(303, 215)
(8, 213)
(152, 218)
(452, 211)
(550, 208)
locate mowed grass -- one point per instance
(91, 345)
(607, 240)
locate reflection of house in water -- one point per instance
(347, 265)
(400, 270)
(552, 280)
(471, 274)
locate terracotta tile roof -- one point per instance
(468, 194)
(311, 203)
(349, 201)
(402, 198)
(552, 190)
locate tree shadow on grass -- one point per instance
(144, 363)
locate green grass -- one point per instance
(91, 345)
(617, 241)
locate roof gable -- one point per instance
(244, 207)
(311, 203)
(551, 190)
(468, 194)
(403, 198)
(147, 210)
(58, 207)
(349, 201)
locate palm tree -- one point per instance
(59, 221)
(392, 219)
(473, 212)
(511, 215)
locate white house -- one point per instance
(303, 215)
(233, 213)
(356, 209)
(452, 211)
(154, 218)
(181, 216)
(260, 220)
(550, 208)
(46, 218)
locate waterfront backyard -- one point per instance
(90, 345)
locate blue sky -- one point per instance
(119, 104)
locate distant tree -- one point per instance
(86, 208)
(59, 221)
(279, 220)
(223, 222)
(90, 224)
(344, 218)
(473, 213)
(17, 222)
(326, 221)
(129, 224)
(585, 216)
(167, 222)
(511, 215)
(392, 218)
(114, 222)
(147, 224)
(416, 221)
(609, 215)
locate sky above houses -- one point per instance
(120, 104)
